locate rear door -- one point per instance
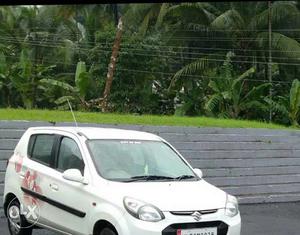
(34, 172)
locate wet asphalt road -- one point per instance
(264, 219)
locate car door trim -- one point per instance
(54, 203)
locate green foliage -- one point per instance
(175, 58)
(52, 82)
(295, 102)
(288, 106)
(229, 97)
(82, 79)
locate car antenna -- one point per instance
(72, 113)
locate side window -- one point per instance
(40, 148)
(69, 156)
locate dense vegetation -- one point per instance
(191, 59)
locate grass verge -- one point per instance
(112, 118)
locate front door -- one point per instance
(68, 204)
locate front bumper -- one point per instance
(129, 225)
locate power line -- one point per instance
(162, 46)
(166, 73)
(204, 38)
(238, 30)
(125, 49)
(183, 30)
(175, 57)
(197, 76)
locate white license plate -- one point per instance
(198, 231)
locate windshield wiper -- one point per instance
(185, 177)
(148, 178)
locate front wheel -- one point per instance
(107, 231)
(17, 224)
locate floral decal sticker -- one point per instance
(30, 183)
(30, 180)
(18, 163)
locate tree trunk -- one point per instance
(112, 65)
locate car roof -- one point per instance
(101, 133)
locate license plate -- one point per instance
(197, 231)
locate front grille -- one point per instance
(172, 229)
(202, 212)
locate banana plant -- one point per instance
(288, 106)
(229, 96)
(76, 92)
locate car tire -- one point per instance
(107, 231)
(18, 224)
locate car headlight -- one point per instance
(142, 210)
(231, 208)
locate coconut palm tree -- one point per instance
(242, 28)
(142, 18)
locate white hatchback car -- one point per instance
(100, 181)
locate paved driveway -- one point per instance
(264, 219)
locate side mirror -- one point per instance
(75, 176)
(198, 172)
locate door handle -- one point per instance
(54, 187)
(22, 175)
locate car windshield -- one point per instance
(135, 160)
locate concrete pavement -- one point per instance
(259, 219)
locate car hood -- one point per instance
(174, 196)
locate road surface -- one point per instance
(259, 219)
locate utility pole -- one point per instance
(116, 14)
(270, 58)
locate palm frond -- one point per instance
(237, 84)
(287, 46)
(213, 102)
(214, 85)
(280, 11)
(254, 104)
(162, 13)
(277, 107)
(193, 68)
(247, 73)
(63, 100)
(194, 12)
(145, 24)
(60, 84)
(224, 115)
(256, 92)
(231, 19)
(139, 16)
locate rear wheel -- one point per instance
(107, 231)
(17, 224)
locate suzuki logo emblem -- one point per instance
(197, 215)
